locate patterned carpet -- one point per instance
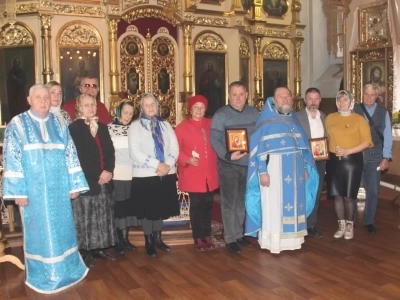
(217, 229)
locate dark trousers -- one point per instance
(372, 179)
(312, 218)
(200, 214)
(232, 182)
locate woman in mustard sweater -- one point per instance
(349, 134)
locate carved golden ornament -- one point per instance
(244, 48)
(257, 45)
(206, 20)
(296, 5)
(27, 8)
(241, 22)
(132, 28)
(163, 30)
(46, 4)
(273, 32)
(112, 25)
(114, 10)
(79, 10)
(187, 30)
(299, 33)
(275, 51)
(15, 35)
(79, 35)
(192, 3)
(128, 3)
(210, 42)
(149, 13)
(45, 20)
(375, 55)
(163, 68)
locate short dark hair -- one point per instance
(313, 90)
(237, 84)
(284, 87)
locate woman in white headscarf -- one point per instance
(55, 101)
(94, 210)
(349, 134)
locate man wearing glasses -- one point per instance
(89, 85)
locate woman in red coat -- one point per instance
(197, 170)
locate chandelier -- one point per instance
(8, 12)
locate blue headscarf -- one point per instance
(155, 128)
(271, 123)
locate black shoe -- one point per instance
(312, 231)
(244, 243)
(149, 245)
(234, 248)
(370, 228)
(159, 242)
(88, 260)
(125, 239)
(103, 255)
(119, 247)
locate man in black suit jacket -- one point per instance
(313, 122)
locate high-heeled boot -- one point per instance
(119, 247)
(340, 232)
(349, 234)
(126, 242)
(149, 245)
(159, 242)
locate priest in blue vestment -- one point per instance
(42, 174)
(282, 179)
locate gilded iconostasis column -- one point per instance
(258, 100)
(114, 75)
(187, 68)
(297, 73)
(187, 73)
(45, 26)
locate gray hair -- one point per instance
(148, 95)
(37, 86)
(372, 87)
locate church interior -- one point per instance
(175, 49)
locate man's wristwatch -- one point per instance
(387, 158)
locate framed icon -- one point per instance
(319, 148)
(131, 48)
(162, 49)
(237, 140)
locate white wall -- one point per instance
(317, 65)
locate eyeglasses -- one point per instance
(88, 85)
